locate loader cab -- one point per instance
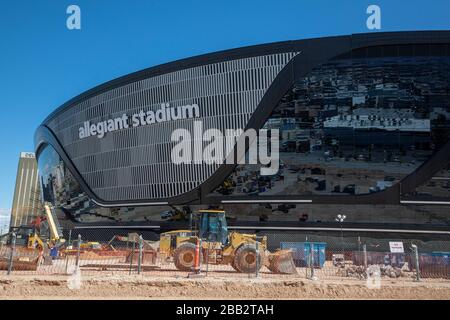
(23, 233)
(27, 236)
(212, 226)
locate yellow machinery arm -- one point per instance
(54, 234)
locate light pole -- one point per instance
(340, 218)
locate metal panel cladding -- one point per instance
(135, 163)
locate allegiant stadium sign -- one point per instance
(188, 150)
(142, 118)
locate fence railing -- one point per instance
(312, 260)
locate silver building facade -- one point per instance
(135, 164)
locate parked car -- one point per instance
(350, 189)
(167, 214)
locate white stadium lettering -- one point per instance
(142, 118)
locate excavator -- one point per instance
(55, 234)
(246, 253)
(33, 236)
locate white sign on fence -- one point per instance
(396, 247)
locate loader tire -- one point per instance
(234, 266)
(184, 257)
(246, 259)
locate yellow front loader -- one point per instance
(244, 252)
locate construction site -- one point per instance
(209, 260)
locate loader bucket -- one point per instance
(281, 262)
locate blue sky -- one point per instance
(43, 64)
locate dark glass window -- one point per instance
(61, 189)
(436, 188)
(355, 126)
(58, 185)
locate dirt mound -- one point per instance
(139, 287)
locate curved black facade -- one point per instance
(364, 120)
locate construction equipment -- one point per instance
(35, 237)
(176, 214)
(226, 188)
(27, 249)
(91, 245)
(109, 245)
(55, 230)
(48, 221)
(132, 238)
(246, 253)
(25, 237)
(23, 261)
(149, 249)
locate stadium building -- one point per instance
(363, 122)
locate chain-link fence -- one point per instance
(315, 255)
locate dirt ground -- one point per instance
(145, 287)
